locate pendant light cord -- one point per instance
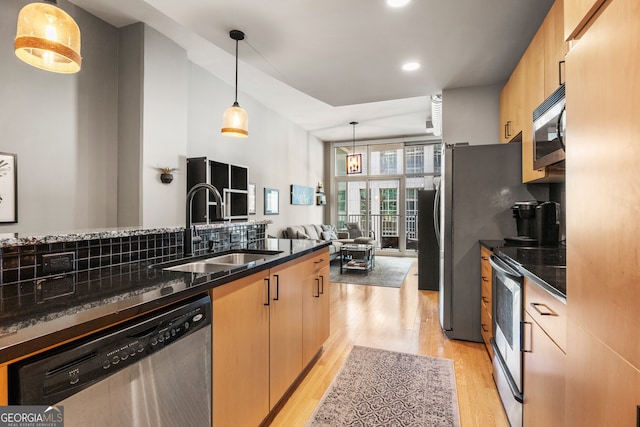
(236, 100)
(353, 148)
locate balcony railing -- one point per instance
(385, 228)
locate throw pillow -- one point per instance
(328, 227)
(301, 235)
(329, 235)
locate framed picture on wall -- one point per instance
(271, 201)
(8, 188)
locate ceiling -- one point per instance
(325, 63)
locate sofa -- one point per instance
(326, 232)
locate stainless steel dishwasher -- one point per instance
(154, 370)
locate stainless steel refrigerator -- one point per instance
(479, 185)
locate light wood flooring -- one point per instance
(404, 320)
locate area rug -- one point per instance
(385, 388)
(388, 271)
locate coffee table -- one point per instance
(358, 257)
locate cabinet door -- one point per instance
(315, 309)
(285, 308)
(602, 105)
(576, 15)
(555, 48)
(544, 378)
(533, 63)
(240, 349)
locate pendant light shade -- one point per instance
(48, 38)
(235, 121)
(354, 161)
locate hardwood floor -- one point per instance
(404, 320)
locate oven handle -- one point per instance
(503, 268)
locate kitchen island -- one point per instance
(93, 297)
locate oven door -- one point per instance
(507, 317)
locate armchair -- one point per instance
(355, 233)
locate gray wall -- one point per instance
(471, 115)
(89, 144)
(63, 129)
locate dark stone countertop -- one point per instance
(117, 293)
(545, 265)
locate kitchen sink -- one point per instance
(217, 263)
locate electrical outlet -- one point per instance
(58, 263)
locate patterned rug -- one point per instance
(384, 388)
(389, 271)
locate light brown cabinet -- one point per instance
(260, 336)
(555, 48)
(315, 308)
(576, 15)
(285, 327)
(486, 316)
(240, 352)
(535, 77)
(603, 355)
(544, 343)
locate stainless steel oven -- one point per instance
(507, 341)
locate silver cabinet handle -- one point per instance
(547, 312)
(268, 282)
(525, 335)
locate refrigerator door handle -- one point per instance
(436, 210)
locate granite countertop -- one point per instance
(546, 265)
(113, 294)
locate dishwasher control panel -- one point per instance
(48, 378)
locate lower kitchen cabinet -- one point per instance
(544, 364)
(486, 317)
(240, 352)
(544, 378)
(315, 308)
(285, 326)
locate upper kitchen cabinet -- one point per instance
(535, 77)
(555, 48)
(576, 15)
(230, 180)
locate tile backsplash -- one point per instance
(22, 268)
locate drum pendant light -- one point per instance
(48, 38)
(354, 161)
(235, 120)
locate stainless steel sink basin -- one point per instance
(199, 267)
(214, 264)
(237, 258)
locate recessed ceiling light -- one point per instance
(397, 3)
(410, 66)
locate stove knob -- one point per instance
(173, 332)
(124, 356)
(115, 360)
(186, 325)
(154, 341)
(140, 348)
(161, 338)
(106, 364)
(167, 335)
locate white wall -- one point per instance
(63, 129)
(164, 132)
(471, 115)
(277, 152)
(88, 144)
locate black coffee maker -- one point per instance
(537, 224)
(548, 223)
(525, 215)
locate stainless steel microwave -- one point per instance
(549, 126)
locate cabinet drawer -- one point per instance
(486, 328)
(547, 311)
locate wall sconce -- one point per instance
(354, 161)
(48, 38)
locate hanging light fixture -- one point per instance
(48, 38)
(354, 161)
(235, 120)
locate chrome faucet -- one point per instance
(189, 238)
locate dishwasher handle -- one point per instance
(504, 269)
